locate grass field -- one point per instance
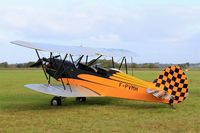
(26, 111)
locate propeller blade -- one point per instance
(37, 64)
(45, 59)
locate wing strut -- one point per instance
(72, 60)
(69, 85)
(126, 65)
(86, 60)
(93, 61)
(49, 81)
(63, 84)
(57, 73)
(79, 60)
(113, 63)
(132, 65)
(42, 64)
(121, 63)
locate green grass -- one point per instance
(26, 111)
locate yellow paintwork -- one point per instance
(118, 85)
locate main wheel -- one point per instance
(56, 101)
(81, 99)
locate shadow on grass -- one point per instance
(106, 101)
(44, 104)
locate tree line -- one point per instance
(103, 62)
(17, 65)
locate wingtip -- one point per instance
(15, 42)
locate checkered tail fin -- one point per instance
(174, 82)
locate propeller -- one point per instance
(45, 59)
(46, 63)
(39, 62)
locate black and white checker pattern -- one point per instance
(174, 81)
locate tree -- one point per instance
(4, 64)
(185, 65)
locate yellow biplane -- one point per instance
(86, 78)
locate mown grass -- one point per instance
(26, 111)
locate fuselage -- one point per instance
(105, 82)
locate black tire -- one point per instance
(63, 99)
(81, 99)
(56, 101)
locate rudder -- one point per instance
(174, 82)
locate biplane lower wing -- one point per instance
(58, 90)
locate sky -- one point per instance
(165, 31)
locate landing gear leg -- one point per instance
(56, 101)
(172, 106)
(171, 103)
(81, 99)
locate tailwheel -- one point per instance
(56, 101)
(172, 106)
(81, 99)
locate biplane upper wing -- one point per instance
(75, 50)
(57, 90)
(116, 52)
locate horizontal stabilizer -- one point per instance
(159, 94)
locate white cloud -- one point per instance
(79, 22)
(141, 28)
(110, 38)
